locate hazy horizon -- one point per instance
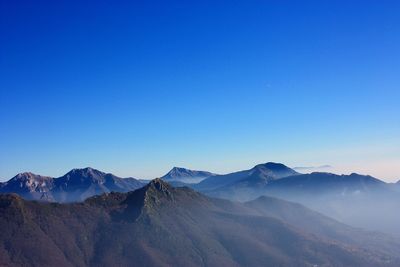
(301, 169)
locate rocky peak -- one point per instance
(275, 170)
(27, 176)
(157, 191)
(159, 185)
(85, 175)
(24, 175)
(29, 182)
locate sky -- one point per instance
(137, 88)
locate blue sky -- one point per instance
(137, 88)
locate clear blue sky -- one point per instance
(137, 88)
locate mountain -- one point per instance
(318, 224)
(29, 186)
(320, 183)
(314, 184)
(76, 185)
(186, 176)
(259, 175)
(79, 184)
(357, 200)
(159, 225)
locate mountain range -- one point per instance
(261, 174)
(297, 185)
(159, 225)
(357, 200)
(76, 185)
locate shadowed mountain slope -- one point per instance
(159, 225)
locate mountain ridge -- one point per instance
(357, 200)
(159, 225)
(76, 185)
(261, 173)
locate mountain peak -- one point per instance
(27, 184)
(158, 190)
(178, 171)
(186, 175)
(27, 176)
(22, 174)
(87, 170)
(76, 185)
(84, 174)
(159, 185)
(275, 170)
(273, 166)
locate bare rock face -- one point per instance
(76, 185)
(157, 192)
(30, 186)
(160, 185)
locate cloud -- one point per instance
(312, 168)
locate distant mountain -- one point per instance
(159, 225)
(299, 185)
(315, 223)
(358, 200)
(76, 185)
(261, 174)
(320, 183)
(29, 186)
(186, 176)
(79, 184)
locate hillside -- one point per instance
(159, 225)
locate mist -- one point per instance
(373, 208)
